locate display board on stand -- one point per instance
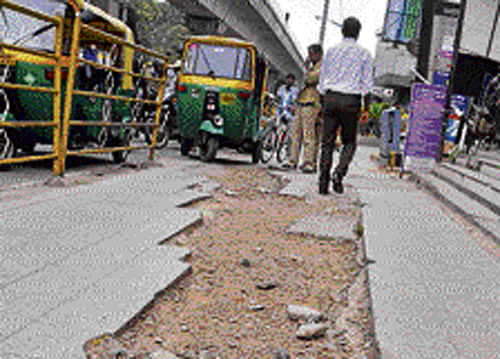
(424, 133)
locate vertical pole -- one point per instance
(449, 91)
(425, 40)
(161, 92)
(493, 30)
(324, 19)
(56, 112)
(68, 98)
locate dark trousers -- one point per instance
(339, 110)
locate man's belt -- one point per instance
(306, 104)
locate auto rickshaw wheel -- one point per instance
(27, 146)
(257, 152)
(185, 146)
(208, 147)
(121, 156)
(7, 149)
(163, 133)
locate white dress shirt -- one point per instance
(347, 68)
(288, 97)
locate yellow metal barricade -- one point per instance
(7, 60)
(64, 93)
(72, 92)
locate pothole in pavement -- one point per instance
(246, 271)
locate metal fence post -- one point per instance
(68, 99)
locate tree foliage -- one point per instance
(159, 26)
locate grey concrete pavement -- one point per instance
(80, 261)
(474, 195)
(435, 282)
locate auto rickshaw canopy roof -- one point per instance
(221, 40)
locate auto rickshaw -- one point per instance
(28, 68)
(219, 96)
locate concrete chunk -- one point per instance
(338, 227)
(306, 314)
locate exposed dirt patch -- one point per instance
(243, 242)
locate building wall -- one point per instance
(393, 65)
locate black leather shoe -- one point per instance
(337, 184)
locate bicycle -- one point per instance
(275, 139)
(480, 131)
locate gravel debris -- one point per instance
(310, 331)
(216, 305)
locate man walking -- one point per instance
(305, 129)
(346, 75)
(287, 99)
(287, 94)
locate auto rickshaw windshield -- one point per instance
(229, 62)
(20, 29)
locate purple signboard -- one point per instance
(424, 133)
(441, 78)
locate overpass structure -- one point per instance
(259, 21)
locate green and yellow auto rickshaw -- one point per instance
(219, 96)
(35, 68)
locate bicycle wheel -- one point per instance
(268, 144)
(283, 146)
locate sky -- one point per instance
(306, 28)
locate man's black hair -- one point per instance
(351, 28)
(315, 48)
(290, 75)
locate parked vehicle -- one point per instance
(219, 96)
(276, 139)
(27, 58)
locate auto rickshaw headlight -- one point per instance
(114, 131)
(218, 120)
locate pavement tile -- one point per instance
(434, 322)
(338, 227)
(435, 289)
(64, 278)
(28, 250)
(103, 307)
(71, 257)
(299, 184)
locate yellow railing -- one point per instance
(55, 90)
(71, 92)
(63, 107)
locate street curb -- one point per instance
(171, 286)
(374, 352)
(433, 191)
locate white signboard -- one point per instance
(478, 26)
